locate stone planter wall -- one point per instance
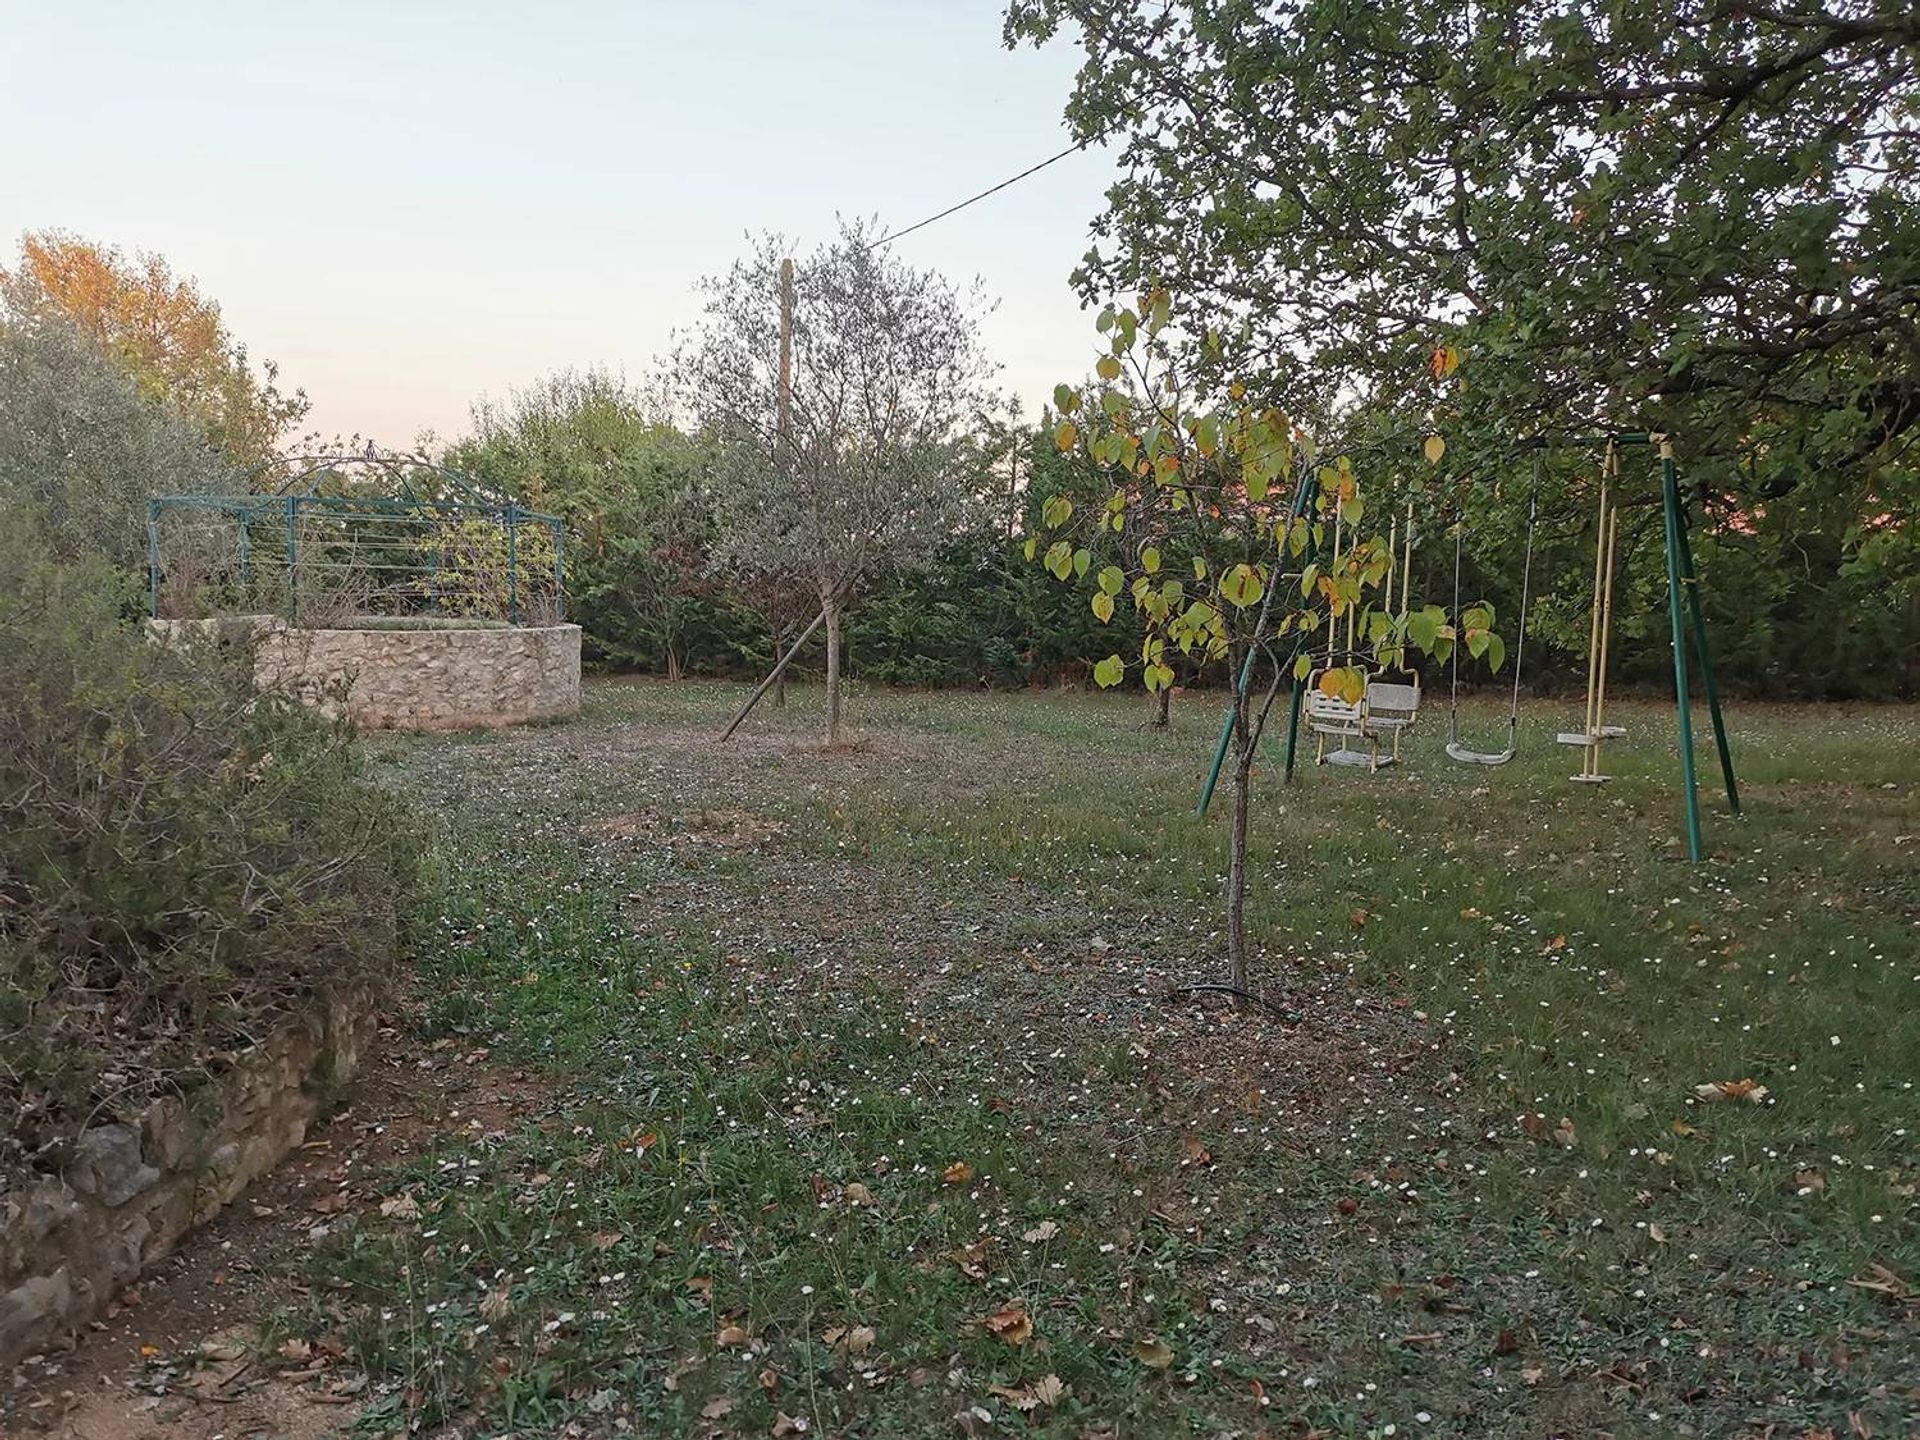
(71, 1242)
(412, 679)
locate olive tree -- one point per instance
(868, 464)
(81, 448)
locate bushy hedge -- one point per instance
(184, 863)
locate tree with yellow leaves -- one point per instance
(167, 335)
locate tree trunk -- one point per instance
(779, 650)
(1162, 708)
(831, 604)
(673, 663)
(1237, 864)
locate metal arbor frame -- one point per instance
(389, 537)
(1685, 615)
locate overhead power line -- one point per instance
(994, 190)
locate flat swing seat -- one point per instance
(1591, 737)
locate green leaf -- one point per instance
(1150, 560)
(1056, 512)
(1109, 672)
(1199, 568)
(1241, 586)
(1066, 399)
(1082, 558)
(1113, 579)
(1303, 667)
(1308, 576)
(1107, 368)
(1103, 605)
(1060, 559)
(1033, 544)
(1423, 626)
(1496, 653)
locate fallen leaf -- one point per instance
(785, 1424)
(1680, 1127)
(1025, 1398)
(971, 1260)
(729, 1336)
(1534, 1124)
(716, 1408)
(1563, 1133)
(1040, 1233)
(295, 1351)
(496, 1305)
(1359, 919)
(1882, 1281)
(1656, 1233)
(604, 1239)
(958, 1173)
(1013, 1325)
(1152, 1351)
(1193, 1153)
(857, 1194)
(1530, 1374)
(1811, 1181)
(332, 1203)
(1558, 942)
(1048, 1389)
(853, 1339)
(400, 1207)
(769, 1381)
(1717, 1090)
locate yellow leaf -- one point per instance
(958, 1173)
(1434, 449)
(1152, 1351)
(1065, 435)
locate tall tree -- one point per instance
(872, 469)
(1697, 217)
(169, 337)
(635, 495)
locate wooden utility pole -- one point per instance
(783, 440)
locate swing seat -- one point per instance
(1457, 751)
(1591, 737)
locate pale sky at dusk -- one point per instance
(409, 204)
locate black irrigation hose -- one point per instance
(1289, 1016)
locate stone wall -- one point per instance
(72, 1241)
(455, 679)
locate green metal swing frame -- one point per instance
(1685, 615)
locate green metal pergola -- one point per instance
(1685, 614)
(402, 533)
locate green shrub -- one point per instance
(184, 863)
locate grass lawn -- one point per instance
(868, 1118)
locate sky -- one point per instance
(411, 204)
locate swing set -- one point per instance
(1390, 703)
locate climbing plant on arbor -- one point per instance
(1233, 484)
